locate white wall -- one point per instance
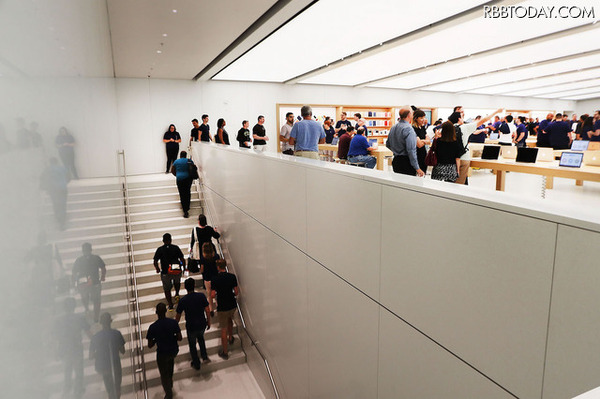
(587, 106)
(363, 284)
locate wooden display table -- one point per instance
(380, 153)
(548, 169)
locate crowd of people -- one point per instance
(411, 138)
(198, 308)
(108, 344)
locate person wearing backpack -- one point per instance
(181, 170)
(463, 131)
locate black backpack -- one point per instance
(459, 139)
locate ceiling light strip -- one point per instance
(275, 8)
(492, 51)
(515, 68)
(462, 17)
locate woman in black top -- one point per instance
(586, 126)
(222, 136)
(172, 139)
(243, 136)
(448, 152)
(418, 124)
(329, 130)
(204, 233)
(208, 268)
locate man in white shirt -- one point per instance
(467, 129)
(284, 134)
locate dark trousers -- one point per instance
(166, 364)
(74, 364)
(171, 157)
(184, 186)
(112, 382)
(401, 164)
(59, 204)
(93, 293)
(67, 156)
(193, 336)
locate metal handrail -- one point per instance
(254, 342)
(137, 343)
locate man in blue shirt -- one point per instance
(360, 150)
(402, 141)
(165, 333)
(306, 135)
(197, 319)
(521, 132)
(181, 170)
(543, 139)
(559, 133)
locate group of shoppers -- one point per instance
(198, 308)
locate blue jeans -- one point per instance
(369, 160)
(193, 336)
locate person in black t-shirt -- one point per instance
(559, 133)
(205, 130)
(86, 276)
(172, 264)
(195, 133)
(105, 348)
(172, 139)
(164, 333)
(225, 287)
(259, 135)
(243, 136)
(342, 125)
(197, 319)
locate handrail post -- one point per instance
(133, 308)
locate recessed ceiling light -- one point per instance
(158, 52)
(175, 11)
(165, 35)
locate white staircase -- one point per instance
(95, 215)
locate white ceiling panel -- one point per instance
(578, 92)
(541, 51)
(559, 78)
(176, 38)
(489, 79)
(556, 88)
(332, 29)
(584, 97)
(458, 40)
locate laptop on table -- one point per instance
(545, 154)
(509, 152)
(526, 154)
(490, 152)
(494, 136)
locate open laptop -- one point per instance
(594, 146)
(508, 152)
(571, 159)
(372, 142)
(545, 154)
(490, 152)
(580, 145)
(494, 136)
(526, 154)
(335, 141)
(591, 158)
